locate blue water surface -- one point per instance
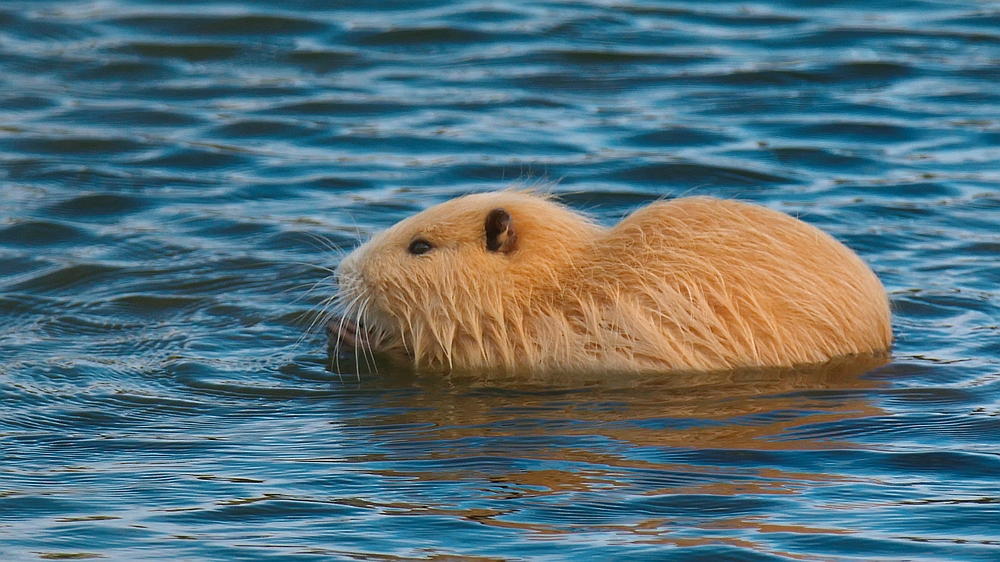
(178, 178)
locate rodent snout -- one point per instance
(346, 336)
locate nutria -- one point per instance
(514, 281)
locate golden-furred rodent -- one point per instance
(513, 281)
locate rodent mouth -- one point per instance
(346, 336)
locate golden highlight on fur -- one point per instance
(513, 281)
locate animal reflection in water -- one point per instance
(685, 437)
(511, 281)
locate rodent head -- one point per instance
(448, 287)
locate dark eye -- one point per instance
(420, 246)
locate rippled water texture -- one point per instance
(174, 177)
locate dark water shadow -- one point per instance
(741, 409)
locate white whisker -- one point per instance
(367, 336)
(340, 328)
(321, 242)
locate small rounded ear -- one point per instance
(500, 236)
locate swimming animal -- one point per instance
(514, 281)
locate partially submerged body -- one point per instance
(512, 281)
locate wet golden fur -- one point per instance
(690, 284)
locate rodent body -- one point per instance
(513, 281)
